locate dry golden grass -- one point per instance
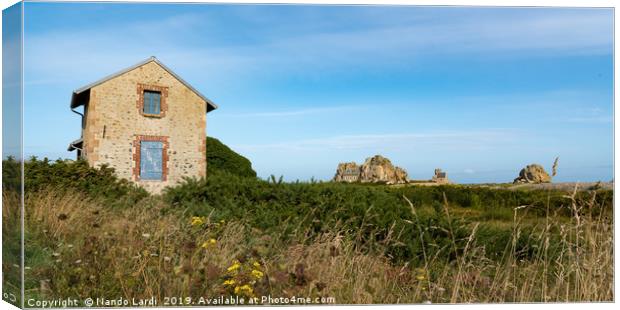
(83, 249)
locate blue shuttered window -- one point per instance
(152, 102)
(151, 160)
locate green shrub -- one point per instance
(100, 183)
(489, 198)
(376, 218)
(11, 174)
(221, 157)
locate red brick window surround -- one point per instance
(136, 155)
(162, 90)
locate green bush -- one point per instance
(488, 199)
(11, 174)
(100, 183)
(221, 157)
(378, 219)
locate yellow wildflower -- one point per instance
(209, 243)
(420, 277)
(257, 274)
(244, 288)
(256, 264)
(197, 220)
(234, 266)
(229, 282)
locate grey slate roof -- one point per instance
(75, 103)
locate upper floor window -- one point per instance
(152, 102)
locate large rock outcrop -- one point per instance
(376, 169)
(533, 174)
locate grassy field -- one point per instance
(90, 235)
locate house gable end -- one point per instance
(77, 97)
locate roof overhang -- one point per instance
(77, 144)
(75, 98)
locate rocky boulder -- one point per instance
(379, 169)
(533, 174)
(347, 172)
(400, 175)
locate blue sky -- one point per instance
(11, 81)
(479, 92)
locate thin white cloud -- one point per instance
(586, 113)
(299, 112)
(92, 52)
(439, 140)
(573, 33)
(591, 119)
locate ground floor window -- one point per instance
(151, 158)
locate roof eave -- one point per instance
(75, 145)
(74, 102)
(210, 105)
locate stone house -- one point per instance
(440, 177)
(146, 122)
(347, 172)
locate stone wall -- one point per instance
(114, 120)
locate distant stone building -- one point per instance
(440, 177)
(145, 122)
(376, 169)
(347, 172)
